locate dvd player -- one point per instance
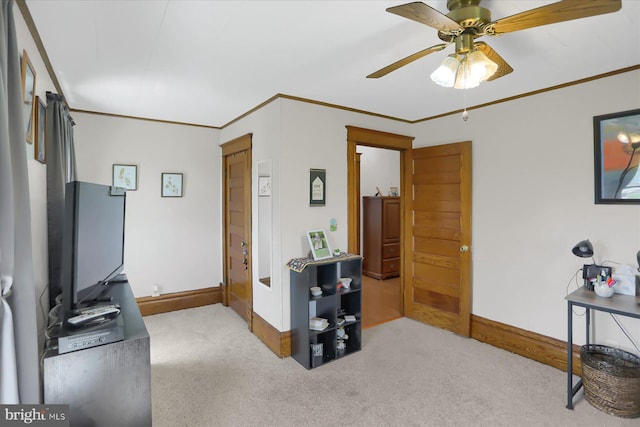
(72, 339)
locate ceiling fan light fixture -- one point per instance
(465, 79)
(445, 74)
(464, 71)
(480, 66)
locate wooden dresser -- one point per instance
(381, 236)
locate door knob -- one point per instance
(464, 248)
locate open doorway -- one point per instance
(380, 238)
(382, 300)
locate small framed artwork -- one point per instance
(171, 185)
(617, 157)
(40, 147)
(264, 186)
(393, 191)
(28, 95)
(125, 176)
(319, 244)
(317, 187)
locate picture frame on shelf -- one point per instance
(393, 191)
(125, 176)
(28, 77)
(171, 184)
(264, 186)
(317, 187)
(319, 245)
(617, 157)
(40, 144)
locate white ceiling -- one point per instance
(208, 62)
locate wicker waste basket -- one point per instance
(611, 379)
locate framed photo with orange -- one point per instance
(617, 157)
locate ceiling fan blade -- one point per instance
(427, 15)
(503, 67)
(401, 63)
(561, 11)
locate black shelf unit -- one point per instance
(334, 303)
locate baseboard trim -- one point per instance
(541, 348)
(538, 347)
(278, 342)
(179, 301)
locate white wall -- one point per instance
(172, 242)
(313, 137)
(379, 168)
(533, 200)
(316, 137)
(37, 181)
(298, 136)
(264, 125)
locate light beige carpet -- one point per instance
(209, 370)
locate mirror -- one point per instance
(264, 222)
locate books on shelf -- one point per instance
(318, 323)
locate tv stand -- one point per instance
(107, 385)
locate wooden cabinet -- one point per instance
(340, 306)
(381, 237)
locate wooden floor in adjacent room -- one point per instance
(380, 301)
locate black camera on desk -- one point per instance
(592, 272)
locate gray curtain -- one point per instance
(19, 373)
(61, 168)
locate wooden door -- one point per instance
(438, 249)
(238, 293)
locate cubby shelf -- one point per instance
(334, 303)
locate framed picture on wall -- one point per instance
(40, 147)
(28, 95)
(319, 244)
(125, 176)
(617, 157)
(171, 185)
(317, 187)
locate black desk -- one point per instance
(108, 385)
(624, 305)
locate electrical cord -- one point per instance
(610, 262)
(44, 312)
(575, 278)
(624, 332)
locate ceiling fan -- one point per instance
(474, 61)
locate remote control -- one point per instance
(97, 314)
(95, 309)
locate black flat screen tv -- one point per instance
(92, 242)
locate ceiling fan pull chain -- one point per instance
(465, 114)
